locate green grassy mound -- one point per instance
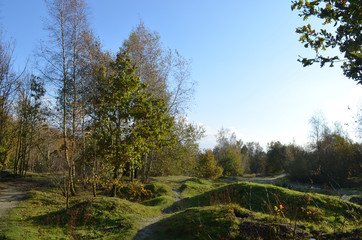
(195, 186)
(160, 202)
(224, 222)
(160, 189)
(42, 216)
(316, 211)
(206, 210)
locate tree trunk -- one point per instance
(115, 176)
(94, 184)
(67, 190)
(144, 168)
(132, 171)
(74, 115)
(16, 162)
(149, 165)
(65, 83)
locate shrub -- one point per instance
(134, 191)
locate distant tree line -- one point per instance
(330, 156)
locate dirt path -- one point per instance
(148, 228)
(10, 197)
(265, 179)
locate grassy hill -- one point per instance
(185, 208)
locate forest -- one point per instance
(99, 146)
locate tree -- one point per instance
(126, 117)
(167, 74)
(256, 156)
(165, 71)
(300, 167)
(339, 159)
(319, 132)
(61, 58)
(331, 158)
(180, 155)
(228, 153)
(29, 120)
(207, 166)
(230, 161)
(344, 32)
(153, 127)
(8, 80)
(77, 26)
(276, 159)
(94, 62)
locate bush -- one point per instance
(134, 191)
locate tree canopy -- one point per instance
(343, 27)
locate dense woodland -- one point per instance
(99, 119)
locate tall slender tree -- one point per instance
(66, 24)
(29, 120)
(8, 79)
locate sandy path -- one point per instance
(147, 229)
(10, 198)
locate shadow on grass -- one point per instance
(218, 222)
(315, 209)
(84, 216)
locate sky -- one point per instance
(243, 57)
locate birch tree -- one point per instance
(65, 25)
(166, 71)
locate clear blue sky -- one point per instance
(244, 59)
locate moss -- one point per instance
(269, 199)
(160, 202)
(195, 186)
(197, 223)
(160, 189)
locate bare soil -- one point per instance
(10, 197)
(11, 193)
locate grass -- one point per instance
(194, 186)
(196, 223)
(316, 211)
(161, 202)
(43, 216)
(207, 210)
(223, 222)
(160, 189)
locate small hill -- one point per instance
(186, 208)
